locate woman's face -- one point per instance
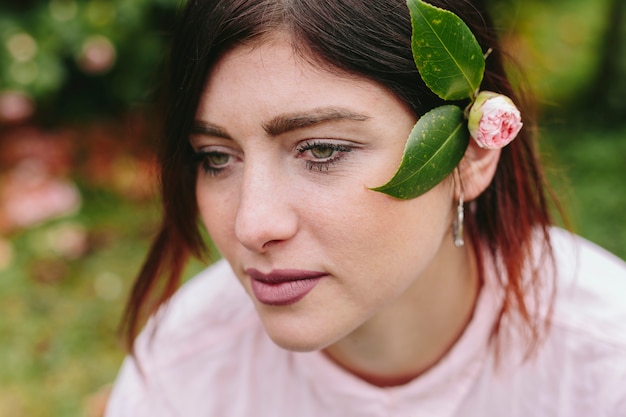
(287, 153)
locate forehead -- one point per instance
(269, 75)
(276, 54)
(282, 41)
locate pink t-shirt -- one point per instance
(211, 357)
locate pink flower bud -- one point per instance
(494, 121)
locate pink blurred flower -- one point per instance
(31, 196)
(15, 107)
(69, 240)
(97, 56)
(494, 121)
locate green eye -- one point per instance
(322, 152)
(213, 162)
(217, 159)
(322, 155)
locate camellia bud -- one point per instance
(493, 120)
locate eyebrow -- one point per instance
(286, 122)
(293, 121)
(208, 129)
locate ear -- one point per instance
(477, 169)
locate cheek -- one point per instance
(217, 211)
(379, 247)
(377, 230)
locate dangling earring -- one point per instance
(457, 223)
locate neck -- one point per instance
(416, 331)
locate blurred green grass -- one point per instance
(587, 167)
(59, 316)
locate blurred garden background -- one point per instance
(77, 190)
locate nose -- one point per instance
(266, 214)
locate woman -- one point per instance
(334, 299)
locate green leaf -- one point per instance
(446, 53)
(435, 147)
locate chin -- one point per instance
(296, 343)
(298, 338)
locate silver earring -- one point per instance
(457, 224)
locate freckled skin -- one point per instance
(392, 270)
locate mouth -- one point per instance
(283, 287)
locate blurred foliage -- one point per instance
(78, 58)
(60, 307)
(60, 313)
(586, 168)
(555, 41)
(104, 56)
(608, 89)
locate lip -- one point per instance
(283, 287)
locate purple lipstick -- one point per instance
(283, 287)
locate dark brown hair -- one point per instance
(370, 38)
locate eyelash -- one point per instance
(327, 162)
(200, 158)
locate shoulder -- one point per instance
(192, 347)
(579, 368)
(591, 288)
(579, 258)
(208, 310)
(587, 341)
(215, 294)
